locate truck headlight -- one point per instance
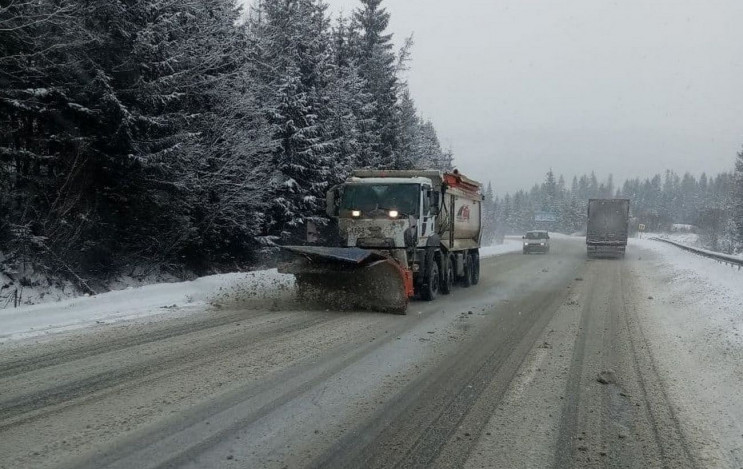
(394, 213)
(356, 213)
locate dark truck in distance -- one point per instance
(608, 226)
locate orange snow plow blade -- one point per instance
(349, 278)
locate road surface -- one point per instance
(543, 364)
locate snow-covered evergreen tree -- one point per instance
(737, 203)
(293, 50)
(409, 147)
(375, 55)
(489, 216)
(351, 108)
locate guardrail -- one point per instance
(719, 257)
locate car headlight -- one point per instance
(394, 213)
(356, 213)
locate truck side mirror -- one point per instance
(331, 201)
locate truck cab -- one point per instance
(386, 213)
(428, 221)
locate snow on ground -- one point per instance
(513, 244)
(30, 286)
(716, 286)
(693, 317)
(510, 244)
(166, 299)
(264, 289)
(688, 239)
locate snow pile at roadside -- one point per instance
(514, 244)
(266, 289)
(164, 298)
(687, 239)
(693, 318)
(509, 245)
(20, 281)
(718, 286)
(31, 284)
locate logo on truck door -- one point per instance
(463, 214)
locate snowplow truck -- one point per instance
(608, 227)
(403, 234)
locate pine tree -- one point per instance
(294, 52)
(409, 147)
(432, 155)
(377, 65)
(149, 106)
(488, 216)
(737, 203)
(352, 108)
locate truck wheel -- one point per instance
(475, 268)
(447, 283)
(468, 272)
(431, 286)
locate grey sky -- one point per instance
(629, 87)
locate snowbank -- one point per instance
(693, 318)
(261, 289)
(161, 299)
(688, 239)
(509, 245)
(714, 283)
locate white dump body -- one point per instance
(467, 220)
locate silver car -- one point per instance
(536, 241)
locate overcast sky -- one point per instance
(629, 87)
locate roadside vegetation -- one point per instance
(710, 206)
(188, 136)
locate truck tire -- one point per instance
(468, 272)
(475, 268)
(430, 289)
(447, 281)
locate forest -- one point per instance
(711, 205)
(191, 135)
(194, 136)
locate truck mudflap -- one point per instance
(349, 278)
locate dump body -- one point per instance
(460, 222)
(608, 227)
(422, 230)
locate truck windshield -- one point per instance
(378, 199)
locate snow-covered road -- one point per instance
(552, 361)
(162, 301)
